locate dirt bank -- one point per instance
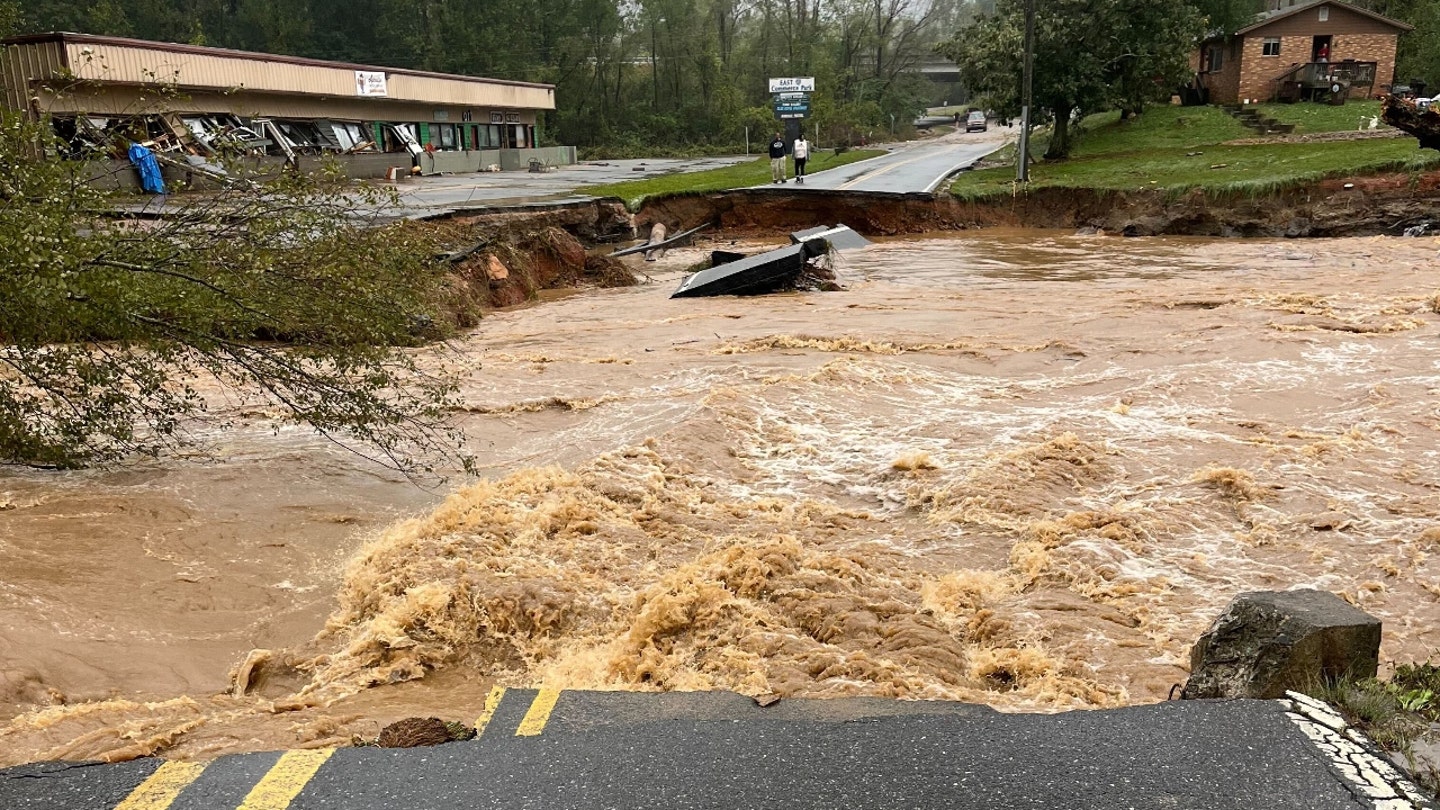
(1369, 206)
(515, 253)
(506, 257)
(510, 267)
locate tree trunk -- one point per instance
(1060, 141)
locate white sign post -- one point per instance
(802, 84)
(370, 83)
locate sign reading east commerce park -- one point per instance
(803, 84)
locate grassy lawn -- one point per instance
(1179, 148)
(741, 175)
(1159, 128)
(1310, 118)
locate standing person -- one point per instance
(777, 159)
(801, 153)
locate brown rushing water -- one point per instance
(1022, 468)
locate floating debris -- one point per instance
(784, 268)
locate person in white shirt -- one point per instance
(801, 152)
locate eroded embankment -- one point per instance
(515, 253)
(502, 258)
(1384, 204)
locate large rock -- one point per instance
(1270, 641)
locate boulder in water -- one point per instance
(1268, 642)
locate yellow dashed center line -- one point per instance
(285, 781)
(878, 172)
(157, 792)
(539, 712)
(492, 702)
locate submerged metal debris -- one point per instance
(783, 268)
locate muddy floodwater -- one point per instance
(1019, 468)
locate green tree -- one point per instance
(114, 333)
(1154, 39)
(11, 19)
(1089, 55)
(109, 17)
(1225, 17)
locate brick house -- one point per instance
(1297, 51)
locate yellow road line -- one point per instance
(285, 780)
(876, 173)
(539, 713)
(492, 702)
(157, 792)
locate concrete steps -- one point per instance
(1251, 118)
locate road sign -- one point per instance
(802, 84)
(792, 105)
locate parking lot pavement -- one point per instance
(427, 196)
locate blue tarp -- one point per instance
(149, 169)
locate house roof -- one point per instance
(1268, 17)
(171, 47)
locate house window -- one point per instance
(1217, 58)
(1324, 13)
(1271, 46)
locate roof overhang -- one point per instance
(202, 50)
(1290, 12)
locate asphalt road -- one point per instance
(686, 751)
(913, 167)
(916, 166)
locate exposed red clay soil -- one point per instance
(516, 260)
(1372, 205)
(528, 250)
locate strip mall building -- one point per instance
(192, 99)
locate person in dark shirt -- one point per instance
(777, 159)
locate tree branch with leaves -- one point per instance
(116, 330)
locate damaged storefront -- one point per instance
(192, 106)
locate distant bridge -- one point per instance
(940, 70)
(932, 67)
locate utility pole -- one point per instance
(1022, 165)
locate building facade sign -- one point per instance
(803, 84)
(370, 83)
